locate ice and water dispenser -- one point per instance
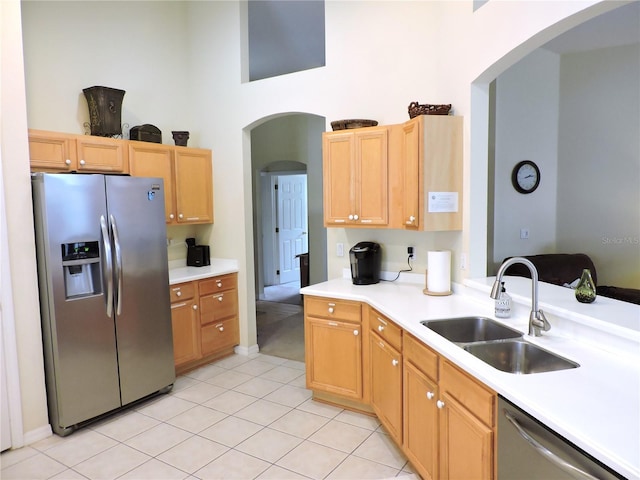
(81, 264)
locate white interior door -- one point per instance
(293, 238)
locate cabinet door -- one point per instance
(372, 186)
(155, 160)
(194, 185)
(420, 422)
(333, 355)
(466, 444)
(98, 154)
(411, 166)
(338, 154)
(52, 152)
(186, 332)
(386, 385)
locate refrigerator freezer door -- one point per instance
(142, 304)
(79, 338)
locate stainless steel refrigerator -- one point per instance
(104, 293)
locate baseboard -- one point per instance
(246, 351)
(33, 436)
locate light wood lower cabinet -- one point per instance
(449, 418)
(205, 320)
(443, 419)
(333, 347)
(385, 370)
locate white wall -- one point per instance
(599, 168)
(526, 129)
(380, 56)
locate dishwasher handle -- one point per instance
(544, 451)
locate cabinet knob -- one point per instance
(82, 162)
(355, 217)
(356, 333)
(380, 328)
(440, 404)
(171, 216)
(178, 293)
(430, 395)
(220, 298)
(221, 329)
(195, 307)
(330, 309)
(394, 362)
(350, 217)
(67, 162)
(219, 284)
(412, 219)
(180, 216)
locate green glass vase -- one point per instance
(586, 289)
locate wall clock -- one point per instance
(525, 176)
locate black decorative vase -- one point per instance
(105, 110)
(180, 137)
(586, 289)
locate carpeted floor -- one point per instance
(280, 329)
(283, 293)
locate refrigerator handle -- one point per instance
(118, 255)
(108, 263)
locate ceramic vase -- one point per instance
(586, 289)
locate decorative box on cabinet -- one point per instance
(449, 418)
(432, 172)
(187, 175)
(355, 173)
(334, 350)
(63, 152)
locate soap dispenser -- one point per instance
(503, 304)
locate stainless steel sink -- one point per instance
(519, 357)
(463, 330)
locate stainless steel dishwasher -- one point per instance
(528, 450)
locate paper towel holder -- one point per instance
(434, 294)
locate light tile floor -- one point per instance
(238, 418)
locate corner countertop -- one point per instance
(180, 273)
(595, 406)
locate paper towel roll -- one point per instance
(439, 271)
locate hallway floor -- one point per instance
(238, 418)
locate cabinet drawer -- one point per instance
(332, 308)
(422, 357)
(385, 328)
(216, 307)
(182, 291)
(477, 398)
(219, 335)
(218, 284)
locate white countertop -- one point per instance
(180, 273)
(595, 406)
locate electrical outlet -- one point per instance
(524, 234)
(339, 249)
(463, 261)
(410, 252)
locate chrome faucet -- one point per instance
(537, 320)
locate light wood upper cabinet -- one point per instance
(51, 152)
(194, 185)
(100, 154)
(432, 171)
(63, 152)
(355, 171)
(187, 175)
(148, 159)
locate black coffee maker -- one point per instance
(366, 259)
(197, 255)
